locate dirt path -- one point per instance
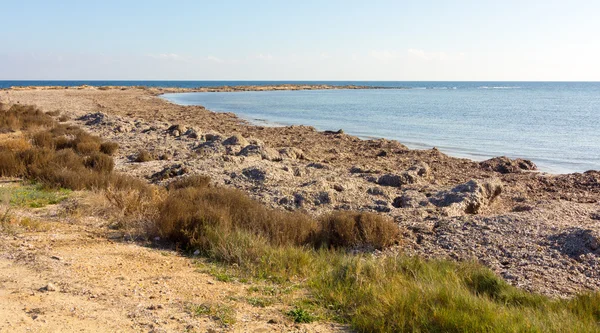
(73, 278)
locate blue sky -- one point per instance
(304, 40)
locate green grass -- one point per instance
(222, 313)
(398, 293)
(300, 315)
(33, 196)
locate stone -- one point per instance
(264, 153)
(338, 187)
(411, 176)
(469, 197)
(236, 140)
(255, 174)
(175, 130)
(505, 165)
(191, 133)
(410, 199)
(50, 287)
(323, 198)
(168, 172)
(292, 153)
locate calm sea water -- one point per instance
(555, 124)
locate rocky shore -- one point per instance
(539, 231)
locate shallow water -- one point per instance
(557, 125)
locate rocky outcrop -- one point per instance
(411, 199)
(504, 164)
(413, 175)
(468, 198)
(236, 140)
(261, 152)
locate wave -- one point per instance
(499, 87)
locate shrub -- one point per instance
(100, 162)
(43, 139)
(143, 156)
(190, 181)
(188, 213)
(10, 164)
(21, 117)
(109, 148)
(351, 229)
(15, 145)
(87, 147)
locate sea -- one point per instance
(554, 124)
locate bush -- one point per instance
(143, 156)
(14, 145)
(21, 117)
(43, 139)
(187, 214)
(352, 229)
(10, 164)
(100, 162)
(190, 181)
(109, 148)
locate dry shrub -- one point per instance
(190, 181)
(10, 164)
(21, 117)
(87, 147)
(15, 145)
(100, 162)
(135, 204)
(187, 214)
(143, 156)
(351, 229)
(43, 139)
(109, 148)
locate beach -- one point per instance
(539, 231)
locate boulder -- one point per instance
(411, 199)
(413, 175)
(168, 172)
(236, 140)
(292, 153)
(255, 174)
(469, 197)
(504, 165)
(262, 152)
(175, 130)
(191, 133)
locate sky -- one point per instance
(301, 40)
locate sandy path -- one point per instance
(109, 286)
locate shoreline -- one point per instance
(498, 212)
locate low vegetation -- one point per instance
(251, 242)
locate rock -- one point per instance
(255, 174)
(317, 165)
(390, 180)
(168, 172)
(338, 187)
(411, 199)
(299, 199)
(376, 191)
(264, 153)
(469, 197)
(236, 140)
(411, 176)
(175, 130)
(504, 165)
(92, 119)
(213, 137)
(323, 198)
(50, 287)
(292, 153)
(191, 133)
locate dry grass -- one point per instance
(190, 181)
(21, 117)
(109, 148)
(100, 162)
(143, 156)
(14, 144)
(352, 229)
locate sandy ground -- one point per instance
(81, 278)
